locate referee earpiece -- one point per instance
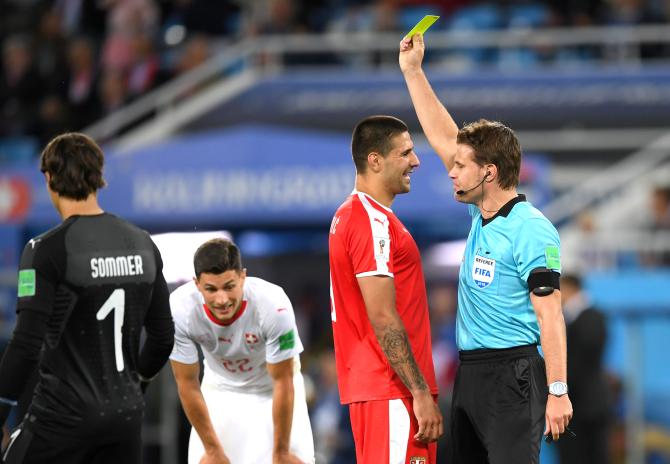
(488, 173)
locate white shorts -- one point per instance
(243, 423)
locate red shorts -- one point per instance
(384, 433)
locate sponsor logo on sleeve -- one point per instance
(26, 282)
(287, 341)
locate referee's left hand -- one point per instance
(557, 416)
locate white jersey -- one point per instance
(236, 352)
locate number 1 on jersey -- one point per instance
(117, 300)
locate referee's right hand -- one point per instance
(557, 416)
(428, 417)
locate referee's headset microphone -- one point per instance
(462, 192)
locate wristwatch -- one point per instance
(558, 388)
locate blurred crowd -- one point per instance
(67, 63)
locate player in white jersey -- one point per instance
(251, 406)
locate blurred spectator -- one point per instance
(581, 250)
(221, 17)
(587, 381)
(281, 19)
(126, 19)
(82, 83)
(660, 208)
(143, 72)
(53, 119)
(443, 301)
(195, 53)
(113, 91)
(634, 12)
(50, 50)
(330, 419)
(20, 88)
(576, 12)
(659, 225)
(81, 17)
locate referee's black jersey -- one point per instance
(86, 290)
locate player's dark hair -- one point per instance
(74, 163)
(217, 256)
(374, 134)
(494, 143)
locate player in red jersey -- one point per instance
(379, 308)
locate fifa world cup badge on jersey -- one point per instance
(418, 460)
(483, 271)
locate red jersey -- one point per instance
(367, 239)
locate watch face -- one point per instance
(558, 388)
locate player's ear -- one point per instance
(374, 161)
(491, 172)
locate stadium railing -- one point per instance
(620, 45)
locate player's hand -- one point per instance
(285, 458)
(557, 416)
(429, 418)
(411, 53)
(215, 456)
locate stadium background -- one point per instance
(235, 116)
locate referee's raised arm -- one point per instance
(436, 122)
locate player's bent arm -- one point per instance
(379, 296)
(436, 122)
(282, 409)
(554, 347)
(187, 377)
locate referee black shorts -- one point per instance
(498, 407)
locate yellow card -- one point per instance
(423, 25)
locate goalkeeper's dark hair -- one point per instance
(74, 163)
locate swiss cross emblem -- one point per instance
(250, 338)
(418, 460)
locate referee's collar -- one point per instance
(506, 208)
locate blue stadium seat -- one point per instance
(476, 18)
(528, 15)
(524, 16)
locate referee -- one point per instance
(509, 299)
(87, 289)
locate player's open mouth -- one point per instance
(224, 309)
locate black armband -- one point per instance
(543, 281)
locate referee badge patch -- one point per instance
(483, 271)
(418, 460)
